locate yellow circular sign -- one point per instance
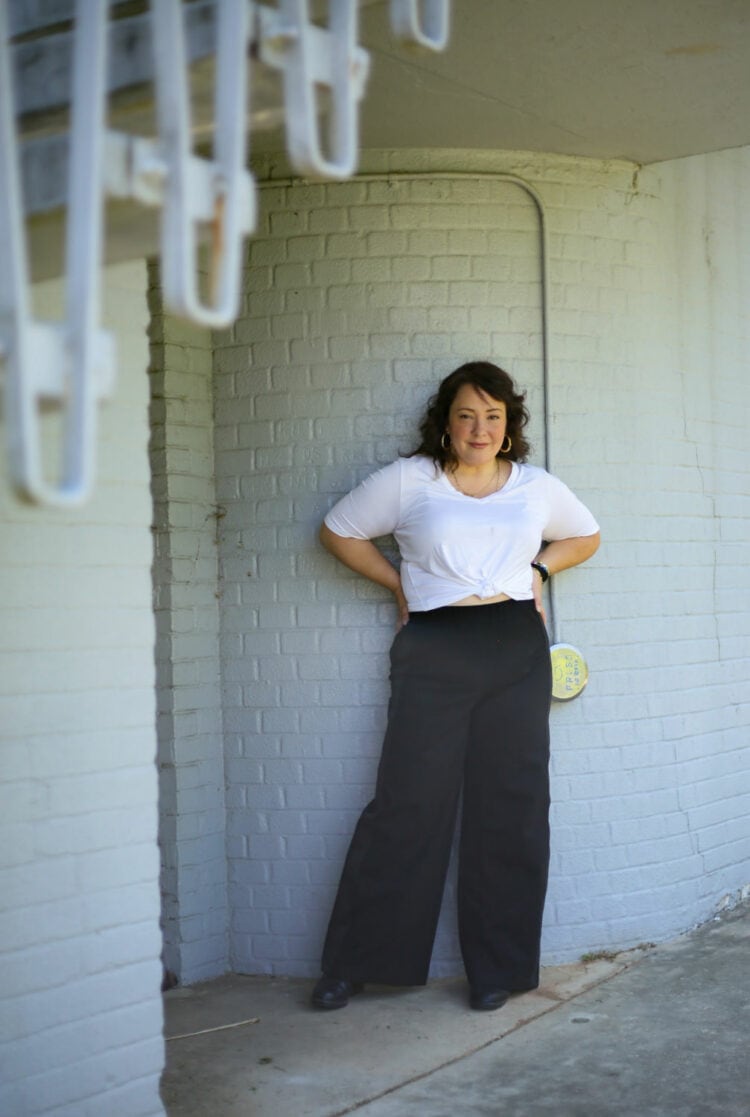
(569, 672)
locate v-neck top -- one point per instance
(453, 545)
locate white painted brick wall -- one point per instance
(191, 752)
(360, 297)
(80, 1011)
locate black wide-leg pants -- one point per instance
(470, 698)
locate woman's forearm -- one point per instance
(564, 553)
(363, 557)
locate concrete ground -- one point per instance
(657, 1032)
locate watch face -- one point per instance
(570, 672)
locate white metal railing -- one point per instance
(423, 23)
(219, 191)
(69, 366)
(313, 58)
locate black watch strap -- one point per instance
(542, 570)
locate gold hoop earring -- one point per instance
(443, 442)
(506, 449)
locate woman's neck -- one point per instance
(478, 480)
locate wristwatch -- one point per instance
(542, 570)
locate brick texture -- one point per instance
(271, 659)
(80, 1012)
(191, 756)
(360, 296)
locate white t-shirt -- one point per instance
(453, 545)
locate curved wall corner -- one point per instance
(360, 297)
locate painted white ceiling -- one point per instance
(645, 80)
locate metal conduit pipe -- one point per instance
(513, 180)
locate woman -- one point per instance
(479, 532)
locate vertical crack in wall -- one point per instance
(186, 592)
(162, 597)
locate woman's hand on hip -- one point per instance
(403, 608)
(536, 585)
(362, 556)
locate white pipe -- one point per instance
(515, 180)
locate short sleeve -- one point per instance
(568, 517)
(370, 510)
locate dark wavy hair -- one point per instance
(494, 382)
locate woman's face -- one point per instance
(476, 425)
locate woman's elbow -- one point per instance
(593, 542)
(324, 535)
(330, 540)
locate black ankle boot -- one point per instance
(487, 1000)
(334, 992)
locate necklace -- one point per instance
(479, 492)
